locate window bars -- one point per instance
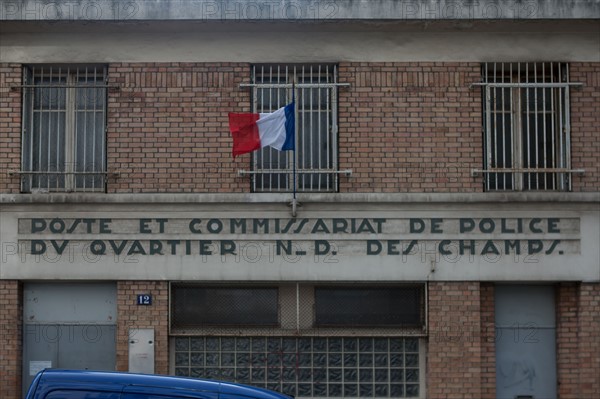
(526, 126)
(316, 128)
(64, 122)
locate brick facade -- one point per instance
(456, 347)
(168, 132)
(10, 126)
(461, 347)
(403, 127)
(585, 119)
(410, 127)
(589, 339)
(578, 341)
(168, 127)
(131, 316)
(11, 321)
(488, 342)
(566, 336)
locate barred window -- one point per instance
(526, 125)
(315, 92)
(64, 121)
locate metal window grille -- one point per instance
(398, 306)
(326, 367)
(224, 306)
(64, 122)
(316, 127)
(293, 309)
(526, 126)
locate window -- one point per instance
(325, 367)
(326, 343)
(297, 308)
(360, 307)
(64, 121)
(526, 125)
(210, 306)
(315, 88)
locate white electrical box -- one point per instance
(141, 350)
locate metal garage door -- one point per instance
(68, 325)
(525, 342)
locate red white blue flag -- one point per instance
(252, 131)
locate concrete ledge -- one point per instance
(274, 198)
(294, 10)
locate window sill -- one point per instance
(304, 198)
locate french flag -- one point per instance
(252, 131)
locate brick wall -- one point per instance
(461, 350)
(10, 339)
(585, 119)
(455, 368)
(410, 127)
(589, 340)
(168, 127)
(567, 353)
(578, 340)
(488, 342)
(10, 126)
(403, 127)
(132, 316)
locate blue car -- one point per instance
(77, 384)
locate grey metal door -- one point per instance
(68, 325)
(525, 342)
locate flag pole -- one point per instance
(294, 201)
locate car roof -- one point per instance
(50, 376)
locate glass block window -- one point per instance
(332, 367)
(369, 306)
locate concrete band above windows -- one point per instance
(309, 41)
